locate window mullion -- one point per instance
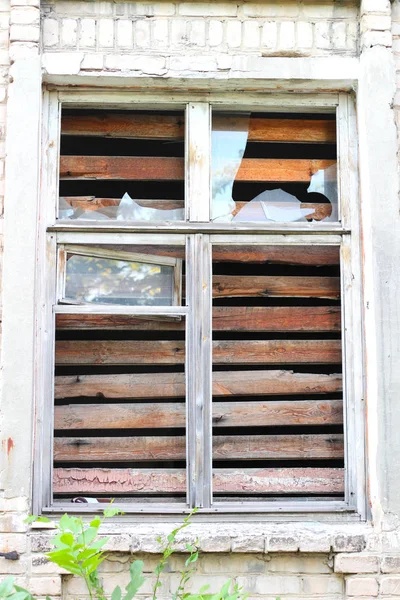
(198, 371)
(197, 158)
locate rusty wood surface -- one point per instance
(92, 203)
(228, 286)
(250, 481)
(318, 256)
(225, 318)
(145, 168)
(171, 127)
(230, 447)
(161, 352)
(172, 385)
(225, 414)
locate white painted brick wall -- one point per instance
(272, 28)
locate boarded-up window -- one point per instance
(198, 360)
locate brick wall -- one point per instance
(128, 36)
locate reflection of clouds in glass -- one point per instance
(228, 144)
(90, 279)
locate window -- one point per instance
(206, 345)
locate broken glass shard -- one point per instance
(274, 205)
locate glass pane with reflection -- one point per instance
(274, 168)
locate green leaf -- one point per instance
(96, 522)
(6, 586)
(98, 544)
(43, 519)
(67, 539)
(87, 536)
(192, 558)
(116, 595)
(203, 589)
(137, 579)
(112, 511)
(65, 522)
(30, 519)
(19, 596)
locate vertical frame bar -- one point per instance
(44, 318)
(198, 371)
(197, 168)
(343, 161)
(352, 328)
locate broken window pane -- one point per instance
(123, 165)
(95, 276)
(274, 168)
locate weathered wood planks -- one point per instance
(161, 352)
(230, 447)
(146, 168)
(228, 286)
(152, 481)
(224, 318)
(225, 414)
(171, 127)
(172, 385)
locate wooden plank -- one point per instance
(258, 254)
(172, 385)
(124, 125)
(292, 130)
(171, 127)
(225, 414)
(292, 255)
(276, 351)
(230, 447)
(161, 352)
(145, 168)
(152, 481)
(225, 318)
(92, 203)
(230, 286)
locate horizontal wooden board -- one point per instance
(161, 352)
(230, 447)
(124, 125)
(224, 318)
(225, 414)
(172, 385)
(228, 286)
(91, 203)
(152, 481)
(317, 256)
(171, 127)
(146, 168)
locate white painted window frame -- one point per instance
(346, 234)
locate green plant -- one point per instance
(78, 549)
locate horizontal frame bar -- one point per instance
(107, 309)
(180, 227)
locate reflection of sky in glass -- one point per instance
(111, 281)
(228, 143)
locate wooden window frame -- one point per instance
(198, 233)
